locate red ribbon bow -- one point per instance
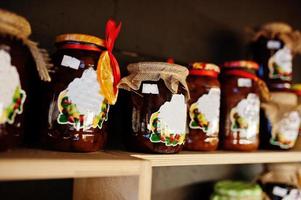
(112, 31)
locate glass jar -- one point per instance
(280, 120)
(19, 79)
(78, 110)
(238, 190)
(157, 106)
(281, 181)
(204, 105)
(273, 48)
(240, 106)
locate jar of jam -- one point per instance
(82, 89)
(281, 181)
(281, 120)
(240, 106)
(204, 107)
(21, 64)
(274, 46)
(238, 190)
(157, 106)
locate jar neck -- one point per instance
(79, 46)
(208, 73)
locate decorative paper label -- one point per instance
(245, 119)
(12, 96)
(204, 114)
(280, 64)
(168, 125)
(286, 130)
(71, 62)
(82, 103)
(244, 82)
(150, 88)
(286, 194)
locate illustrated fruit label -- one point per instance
(286, 130)
(12, 96)
(204, 114)
(244, 119)
(168, 124)
(82, 104)
(280, 64)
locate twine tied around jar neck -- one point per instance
(18, 27)
(290, 37)
(173, 75)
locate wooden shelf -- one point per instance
(25, 164)
(186, 158)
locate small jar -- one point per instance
(280, 120)
(78, 110)
(273, 48)
(237, 190)
(240, 106)
(281, 181)
(157, 106)
(204, 107)
(19, 79)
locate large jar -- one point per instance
(204, 107)
(281, 120)
(78, 110)
(21, 64)
(157, 106)
(274, 46)
(240, 105)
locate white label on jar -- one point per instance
(286, 130)
(245, 118)
(11, 94)
(150, 88)
(71, 62)
(244, 82)
(84, 92)
(173, 114)
(204, 114)
(1, 108)
(168, 124)
(82, 104)
(279, 191)
(280, 64)
(273, 44)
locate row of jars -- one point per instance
(72, 111)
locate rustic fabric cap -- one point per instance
(286, 173)
(171, 74)
(80, 38)
(291, 38)
(280, 104)
(18, 27)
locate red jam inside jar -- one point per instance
(240, 106)
(78, 110)
(203, 107)
(157, 107)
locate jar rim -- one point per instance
(82, 38)
(247, 64)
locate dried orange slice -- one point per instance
(106, 78)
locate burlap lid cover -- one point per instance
(291, 38)
(286, 173)
(173, 75)
(280, 104)
(18, 27)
